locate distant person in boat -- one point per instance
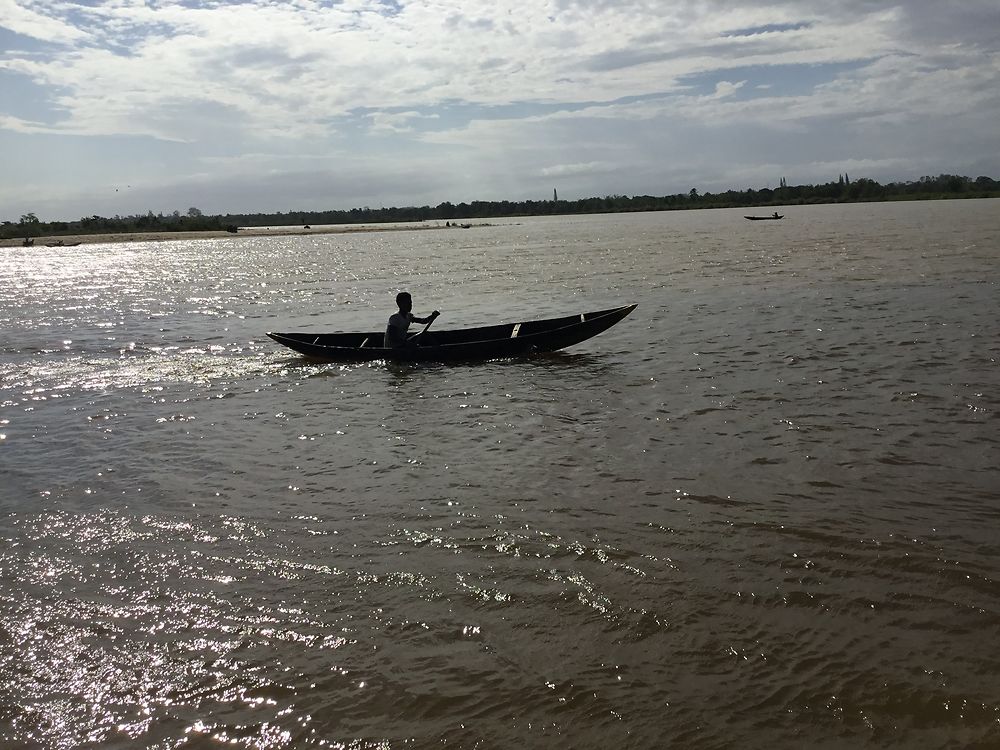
(775, 215)
(395, 332)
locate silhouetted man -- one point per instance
(395, 332)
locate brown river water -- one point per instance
(761, 512)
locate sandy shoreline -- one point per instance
(93, 239)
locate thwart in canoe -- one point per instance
(467, 344)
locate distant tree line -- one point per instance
(193, 221)
(844, 190)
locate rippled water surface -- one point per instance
(760, 512)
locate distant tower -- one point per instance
(555, 195)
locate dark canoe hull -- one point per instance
(469, 344)
(764, 218)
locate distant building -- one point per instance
(555, 195)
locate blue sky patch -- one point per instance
(11, 40)
(769, 28)
(23, 99)
(392, 7)
(774, 80)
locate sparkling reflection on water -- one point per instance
(759, 512)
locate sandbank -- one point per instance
(277, 231)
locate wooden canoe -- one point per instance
(467, 344)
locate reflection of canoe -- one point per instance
(765, 218)
(489, 342)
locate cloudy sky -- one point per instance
(124, 106)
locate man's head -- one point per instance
(404, 302)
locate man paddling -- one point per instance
(395, 332)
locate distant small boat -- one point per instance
(60, 243)
(772, 217)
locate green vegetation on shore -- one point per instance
(844, 190)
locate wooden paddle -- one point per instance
(421, 333)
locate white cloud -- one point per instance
(727, 88)
(398, 122)
(643, 95)
(22, 19)
(287, 69)
(566, 170)
(19, 125)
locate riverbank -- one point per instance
(69, 240)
